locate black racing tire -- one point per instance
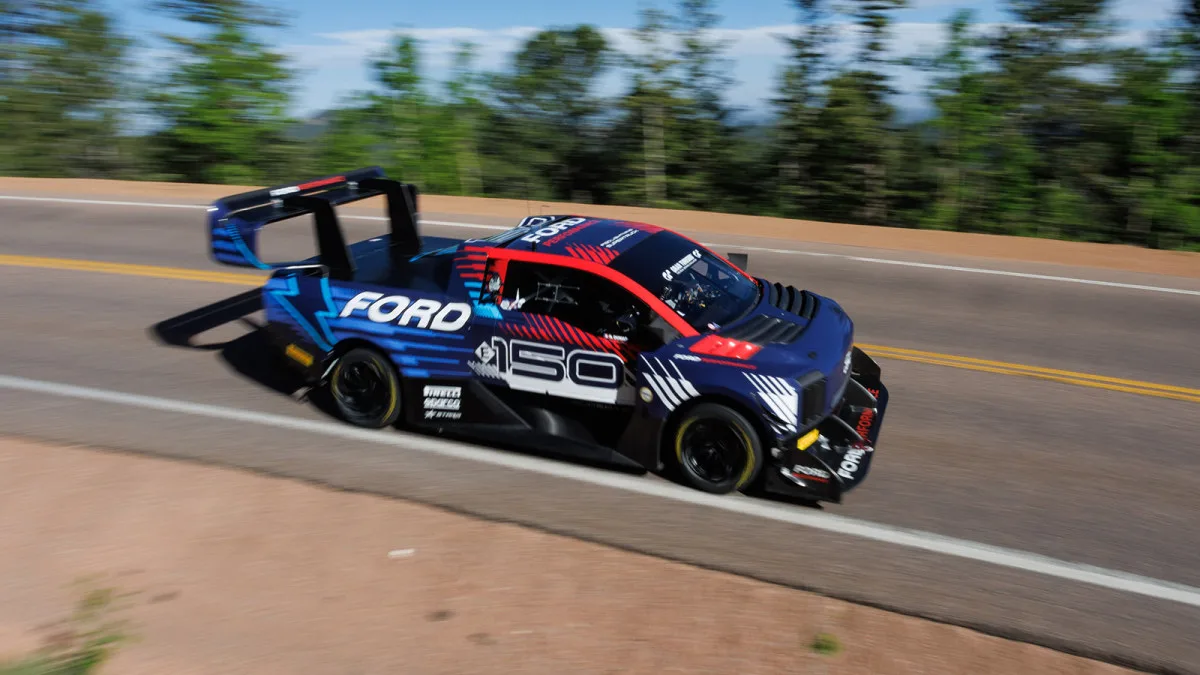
(716, 449)
(365, 387)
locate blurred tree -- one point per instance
(856, 141)
(350, 138)
(223, 102)
(798, 102)
(401, 107)
(652, 110)
(708, 156)
(1050, 142)
(465, 110)
(966, 132)
(543, 140)
(61, 84)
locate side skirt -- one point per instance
(471, 410)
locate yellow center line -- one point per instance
(1140, 388)
(900, 353)
(129, 269)
(882, 351)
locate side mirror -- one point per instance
(742, 260)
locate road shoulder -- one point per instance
(232, 569)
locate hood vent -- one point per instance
(761, 329)
(791, 299)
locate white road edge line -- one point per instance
(733, 247)
(926, 541)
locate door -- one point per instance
(565, 332)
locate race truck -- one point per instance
(612, 342)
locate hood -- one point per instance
(790, 333)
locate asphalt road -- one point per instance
(1093, 476)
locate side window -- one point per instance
(586, 301)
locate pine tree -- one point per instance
(224, 101)
(61, 88)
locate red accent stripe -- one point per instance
(590, 252)
(744, 366)
(715, 345)
(621, 280)
(324, 181)
(550, 327)
(478, 276)
(560, 330)
(588, 340)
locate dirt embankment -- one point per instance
(235, 572)
(1108, 256)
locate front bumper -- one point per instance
(834, 456)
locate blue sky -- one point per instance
(329, 42)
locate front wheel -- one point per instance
(717, 449)
(366, 388)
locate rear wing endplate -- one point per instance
(234, 221)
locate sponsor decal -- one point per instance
(646, 394)
(811, 472)
(443, 402)
(485, 353)
(279, 192)
(846, 364)
(551, 230)
(687, 357)
(682, 265)
(864, 422)
(613, 241)
(850, 463)
(402, 311)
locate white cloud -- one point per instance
(339, 60)
(438, 45)
(494, 46)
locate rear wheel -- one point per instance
(717, 449)
(366, 388)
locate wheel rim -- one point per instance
(362, 387)
(714, 450)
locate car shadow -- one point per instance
(252, 356)
(785, 499)
(248, 354)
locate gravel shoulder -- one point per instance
(232, 571)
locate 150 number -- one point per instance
(553, 363)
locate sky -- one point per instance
(329, 43)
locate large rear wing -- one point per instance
(234, 221)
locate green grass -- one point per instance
(824, 643)
(85, 641)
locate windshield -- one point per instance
(701, 287)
